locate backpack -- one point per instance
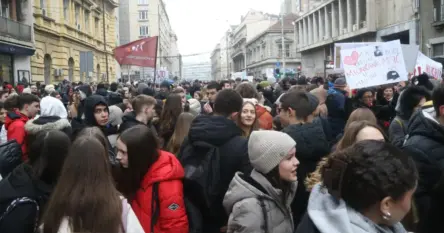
(22, 201)
(10, 157)
(201, 163)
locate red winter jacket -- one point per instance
(264, 117)
(15, 125)
(168, 171)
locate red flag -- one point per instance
(139, 53)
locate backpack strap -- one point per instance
(125, 211)
(264, 212)
(400, 123)
(23, 200)
(155, 205)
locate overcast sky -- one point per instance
(202, 25)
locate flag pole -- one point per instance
(155, 61)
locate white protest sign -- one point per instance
(374, 65)
(410, 52)
(427, 65)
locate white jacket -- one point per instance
(132, 222)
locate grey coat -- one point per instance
(246, 214)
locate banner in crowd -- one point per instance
(427, 65)
(141, 52)
(374, 65)
(410, 52)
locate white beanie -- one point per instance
(266, 149)
(49, 89)
(50, 106)
(195, 107)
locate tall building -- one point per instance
(193, 71)
(16, 41)
(225, 58)
(215, 63)
(147, 18)
(74, 40)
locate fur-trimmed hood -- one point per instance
(47, 123)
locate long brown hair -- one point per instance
(85, 193)
(349, 139)
(239, 123)
(361, 114)
(142, 150)
(180, 132)
(171, 111)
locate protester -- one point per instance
(360, 192)
(70, 207)
(151, 178)
(247, 120)
(27, 108)
(260, 201)
(27, 189)
(425, 143)
(219, 138)
(170, 113)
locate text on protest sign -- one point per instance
(374, 65)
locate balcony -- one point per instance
(15, 29)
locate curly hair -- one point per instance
(374, 170)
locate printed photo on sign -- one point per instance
(374, 65)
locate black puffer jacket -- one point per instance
(47, 123)
(311, 146)
(233, 149)
(425, 143)
(129, 120)
(20, 183)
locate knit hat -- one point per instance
(49, 89)
(340, 82)
(313, 100)
(195, 107)
(266, 149)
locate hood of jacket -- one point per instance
(241, 189)
(167, 167)
(423, 123)
(46, 123)
(20, 183)
(14, 116)
(330, 215)
(51, 106)
(90, 104)
(215, 130)
(261, 109)
(312, 143)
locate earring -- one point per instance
(386, 216)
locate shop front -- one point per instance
(15, 63)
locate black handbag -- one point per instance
(10, 157)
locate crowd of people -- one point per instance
(301, 155)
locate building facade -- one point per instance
(432, 25)
(148, 18)
(193, 71)
(252, 24)
(74, 40)
(216, 63)
(16, 41)
(265, 51)
(335, 21)
(225, 56)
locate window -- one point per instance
(4, 8)
(143, 30)
(43, 7)
(143, 15)
(87, 21)
(438, 50)
(66, 10)
(143, 2)
(441, 16)
(287, 50)
(96, 26)
(77, 15)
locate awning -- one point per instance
(15, 49)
